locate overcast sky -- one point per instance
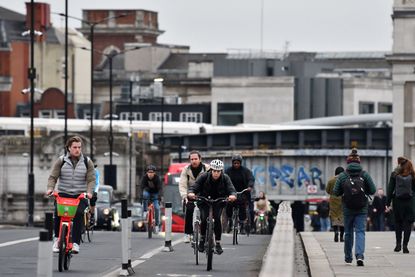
(222, 25)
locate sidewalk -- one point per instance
(326, 257)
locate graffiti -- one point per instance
(287, 175)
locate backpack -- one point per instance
(403, 187)
(354, 195)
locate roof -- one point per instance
(352, 55)
(6, 14)
(181, 60)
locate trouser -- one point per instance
(337, 228)
(379, 222)
(154, 197)
(356, 223)
(242, 209)
(77, 220)
(188, 227)
(404, 226)
(204, 213)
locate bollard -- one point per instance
(44, 256)
(124, 238)
(168, 221)
(130, 268)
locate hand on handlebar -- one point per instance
(232, 198)
(191, 196)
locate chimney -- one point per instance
(42, 17)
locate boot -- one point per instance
(341, 234)
(336, 236)
(398, 234)
(405, 249)
(398, 247)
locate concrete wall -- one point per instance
(266, 100)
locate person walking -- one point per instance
(323, 211)
(336, 207)
(378, 210)
(354, 185)
(400, 193)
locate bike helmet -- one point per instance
(151, 168)
(216, 165)
(237, 157)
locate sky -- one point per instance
(237, 25)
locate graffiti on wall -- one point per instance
(289, 176)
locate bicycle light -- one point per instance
(106, 211)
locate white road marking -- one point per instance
(17, 241)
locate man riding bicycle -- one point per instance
(187, 178)
(213, 184)
(152, 188)
(241, 178)
(76, 175)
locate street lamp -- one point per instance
(130, 136)
(32, 76)
(158, 84)
(91, 37)
(110, 57)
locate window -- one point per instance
(366, 107)
(46, 114)
(156, 116)
(135, 115)
(384, 107)
(59, 114)
(230, 113)
(191, 117)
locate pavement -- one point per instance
(326, 257)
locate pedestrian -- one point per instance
(354, 185)
(323, 210)
(378, 210)
(336, 207)
(400, 192)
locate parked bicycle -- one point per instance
(66, 209)
(235, 218)
(209, 242)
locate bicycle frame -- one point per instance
(66, 210)
(151, 222)
(209, 242)
(235, 217)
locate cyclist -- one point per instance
(76, 175)
(241, 178)
(215, 184)
(152, 189)
(94, 198)
(187, 178)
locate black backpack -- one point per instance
(403, 187)
(354, 195)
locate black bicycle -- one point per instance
(209, 242)
(235, 218)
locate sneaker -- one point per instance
(186, 238)
(348, 262)
(201, 246)
(360, 262)
(55, 247)
(75, 248)
(218, 248)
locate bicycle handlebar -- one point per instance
(240, 192)
(210, 201)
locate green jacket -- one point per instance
(369, 190)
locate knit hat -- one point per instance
(353, 157)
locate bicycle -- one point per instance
(66, 210)
(196, 233)
(88, 228)
(209, 242)
(150, 218)
(235, 218)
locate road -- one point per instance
(102, 257)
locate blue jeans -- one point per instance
(354, 224)
(153, 196)
(324, 224)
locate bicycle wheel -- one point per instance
(196, 241)
(62, 247)
(150, 223)
(209, 249)
(89, 232)
(235, 222)
(67, 261)
(248, 223)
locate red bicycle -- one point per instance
(66, 208)
(151, 220)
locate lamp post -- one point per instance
(92, 26)
(110, 57)
(66, 75)
(158, 83)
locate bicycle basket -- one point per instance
(67, 206)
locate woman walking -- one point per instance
(336, 210)
(400, 192)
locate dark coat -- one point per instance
(206, 186)
(403, 209)
(152, 186)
